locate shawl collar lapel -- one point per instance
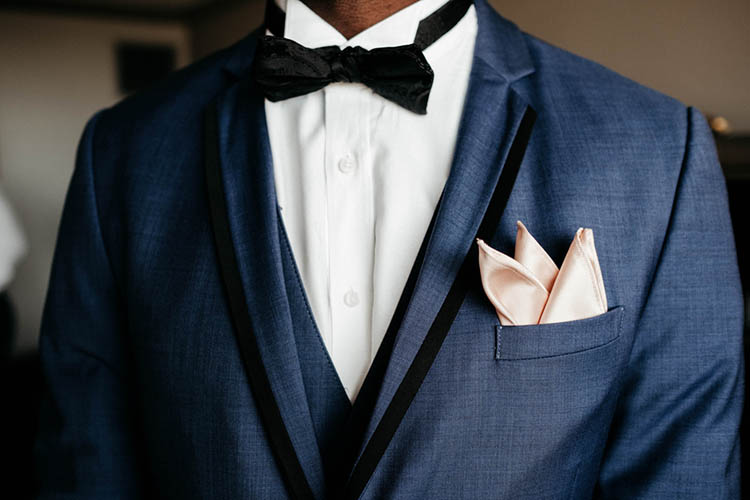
(244, 176)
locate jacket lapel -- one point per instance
(244, 214)
(494, 130)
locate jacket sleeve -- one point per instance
(675, 432)
(86, 446)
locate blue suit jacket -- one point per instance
(167, 344)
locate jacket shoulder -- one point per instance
(576, 81)
(593, 115)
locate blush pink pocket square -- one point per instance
(529, 289)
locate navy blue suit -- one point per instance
(181, 359)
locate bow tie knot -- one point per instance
(345, 64)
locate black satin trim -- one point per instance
(440, 22)
(427, 353)
(279, 440)
(275, 18)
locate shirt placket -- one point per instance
(351, 231)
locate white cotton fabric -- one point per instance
(358, 177)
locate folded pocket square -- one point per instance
(529, 289)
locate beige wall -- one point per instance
(54, 74)
(226, 27)
(695, 50)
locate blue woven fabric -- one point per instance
(326, 397)
(146, 393)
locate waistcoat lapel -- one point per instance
(329, 405)
(495, 128)
(243, 205)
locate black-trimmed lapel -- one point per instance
(242, 196)
(495, 127)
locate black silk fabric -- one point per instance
(283, 68)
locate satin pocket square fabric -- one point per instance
(530, 289)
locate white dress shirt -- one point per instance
(358, 177)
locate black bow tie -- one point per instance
(283, 68)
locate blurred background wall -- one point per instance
(57, 67)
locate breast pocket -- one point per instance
(515, 343)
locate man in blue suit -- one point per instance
(194, 344)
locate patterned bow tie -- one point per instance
(283, 68)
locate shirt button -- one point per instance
(351, 298)
(347, 164)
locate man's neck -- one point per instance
(350, 17)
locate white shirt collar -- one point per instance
(307, 28)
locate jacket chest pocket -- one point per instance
(554, 391)
(565, 375)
